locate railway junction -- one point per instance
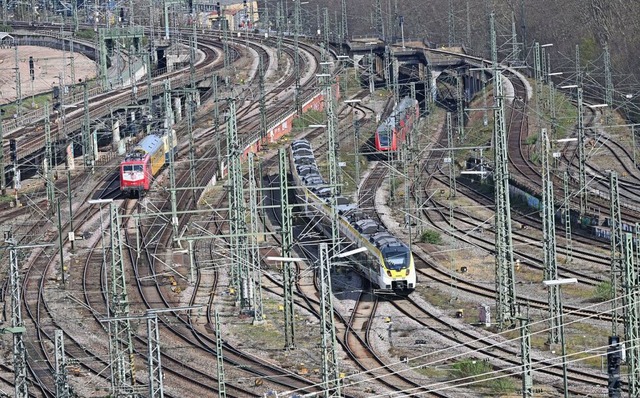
(255, 250)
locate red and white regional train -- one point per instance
(143, 163)
(393, 131)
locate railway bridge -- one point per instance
(415, 61)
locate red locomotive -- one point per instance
(143, 163)
(393, 131)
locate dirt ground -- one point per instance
(48, 65)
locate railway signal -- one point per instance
(31, 68)
(13, 150)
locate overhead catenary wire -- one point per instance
(467, 353)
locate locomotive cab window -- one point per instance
(385, 137)
(397, 259)
(132, 168)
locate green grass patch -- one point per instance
(86, 34)
(480, 374)
(431, 236)
(603, 292)
(6, 198)
(531, 140)
(308, 118)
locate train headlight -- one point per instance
(389, 273)
(408, 272)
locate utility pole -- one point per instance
(608, 81)
(20, 381)
(538, 81)
(48, 169)
(582, 158)
(288, 270)
(450, 144)
(280, 28)
(225, 47)
(468, 15)
(327, 28)
(567, 217)
(578, 67)
(549, 239)
(379, 22)
(452, 24)
(505, 276)
(18, 85)
(525, 351)
(515, 50)
(296, 58)
(87, 141)
(3, 176)
(62, 382)
(617, 249)
(263, 103)
(240, 277)
(460, 103)
(168, 125)
(120, 341)
(344, 31)
(255, 268)
(192, 146)
(632, 316)
(222, 390)
(330, 370)
(216, 121)
(72, 62)
(333, 162)
(156, 384)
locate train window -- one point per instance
(132, 168)
(397, 260)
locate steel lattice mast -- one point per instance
(62, 383)
(549, 239)
(332, 158)
(3, 177)
(582, 158)
(222, 390)
(525, 351)
(120, 342)
(344, 31)
(48, 156)
(330, 372)
(378, 21)
(17, 326)
(156, 385)
(632, 316)
(287, 250)
(255, 269)
(505, 278)
(617, 249)
(296, 58)
(567, 217)
(237, 212)
(608, 81)
(87, 140)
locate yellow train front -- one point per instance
(387, 263)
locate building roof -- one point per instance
(4, 35)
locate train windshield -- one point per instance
(385, 137)
(397, 259)
(132, 168)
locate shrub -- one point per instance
(431, 236)
(604, 291)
